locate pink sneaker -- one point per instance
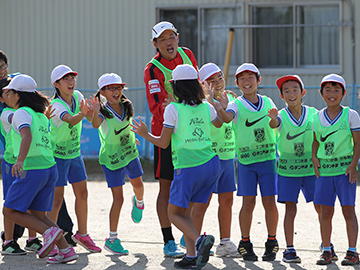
(53, 252)
(63, 257)
(86, 242)
(51, 236)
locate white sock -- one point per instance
(113, 236)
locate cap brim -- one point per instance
(282, 80)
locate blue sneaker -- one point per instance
(171, 249)
(136, 213)
(183, 245)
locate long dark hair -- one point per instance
(128, 107)
(36, 101)
(188, 91)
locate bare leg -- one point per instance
(118, 200)
(81, 207)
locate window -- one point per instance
(199, 31)
(296, 36)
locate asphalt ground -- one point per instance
(144, 240)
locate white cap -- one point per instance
(60, 71)
(184, 72)
(281, 80)
(333, 78)
(207, 70)
(109, 78)
(22, 83)
(247, 67)
(161, 27)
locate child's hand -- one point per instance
(95, 103)
(139, 127)
(273, 113)
(17, 168)
(169, 100)
(137, 141)
(49, 112)
(84, 107)
(209, 91)
(316, 164)
(222, 98)
(231, 93)
(352, 171)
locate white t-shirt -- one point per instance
(6, 120)
(61, 110)
(354, 119)
(233, 108)
(21, 119)
(171, 116)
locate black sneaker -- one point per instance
(33, 245)
(69, 240)
(12, 248)
(203, 246)
(186, 263)
(351, 258)
(247, 252)
(271, 248)
(325, 258)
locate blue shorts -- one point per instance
(262, 173)
(33, 190)
(116, 178)
(70, 169)
(226, 181)
(7, 178)
(194, 184)
(328, 187)
(289, 188)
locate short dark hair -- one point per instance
(4, 82)
(3, 57)
(281, 90)
(36, 101)
(188, 91)
(333, 84)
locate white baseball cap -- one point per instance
(207, 70)
(283, 79)
(109, 78)
(333, 78)
(22, 83)
(247, 67)
(60, 71)
(160, 27)
(184, 72)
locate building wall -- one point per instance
(94, 37)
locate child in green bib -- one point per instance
(294, 146)
(255, 150)
(335, 155)
(118, 153)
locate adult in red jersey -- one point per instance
(157, 74)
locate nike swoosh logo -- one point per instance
(117, 132)
(289, 137)
(323, 139)
(249, 124)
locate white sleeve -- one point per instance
(354, 120)
(21, 119)
(171, 116)
(5, 120)
(272, 103)
(80, 95)
(59, 111)
(233, 108)
(213, 113)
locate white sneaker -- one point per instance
(227, 250)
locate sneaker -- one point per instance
(186, 263)
(271, 248)
(53, 252)
(333, 254)
(183, 245)
(63, 257)
(227, 250)
(290, 257)
(351, 258)
(33, 245)
(86, 242)
(171, 249)
(203, 246)
(247, 252)
(12, 248)
(136, 213)
(50, 236)
(325, 258)
(67, 236)
(116, 247)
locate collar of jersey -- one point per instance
(301, 119)
(256, 108)
(332, 122)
